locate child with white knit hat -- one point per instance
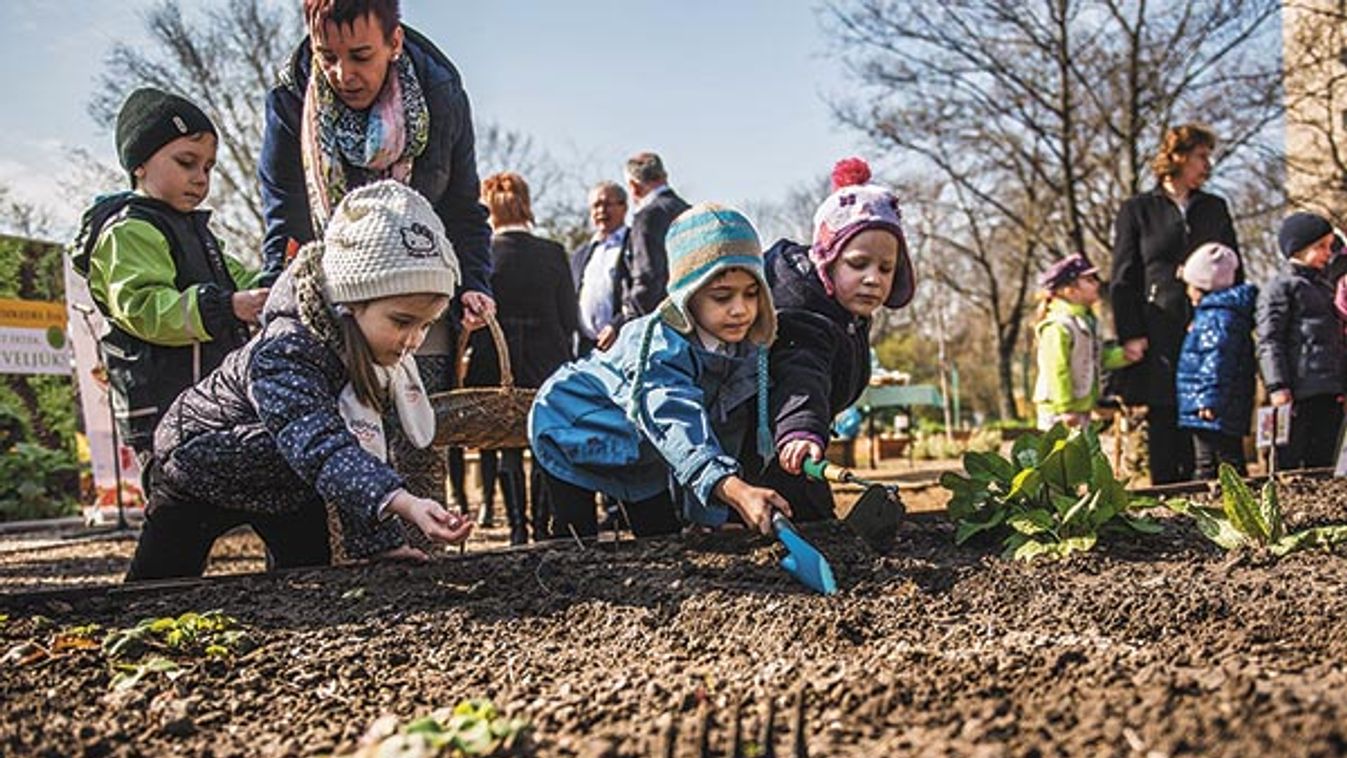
(681, 395)
(293, 420)
(1215, 373)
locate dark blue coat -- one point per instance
(446, 173)
(820, 362)
(262, 434)
(1300, 341)
(1216, 363)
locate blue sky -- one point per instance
(731, 93)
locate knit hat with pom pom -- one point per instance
(855, 206)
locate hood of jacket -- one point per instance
(1241, 298)
(795, 284)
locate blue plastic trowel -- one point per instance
(802, 560)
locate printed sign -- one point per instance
(86, 326)
(33, 338)
(1274, 425)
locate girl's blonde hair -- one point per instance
(1175, 147)
(506, 196)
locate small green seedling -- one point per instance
(471, 728)
(127, 675)
(208, 634)
(1244, 520)
(1052, 497)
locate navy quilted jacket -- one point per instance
(262, 433)
(1216, 364)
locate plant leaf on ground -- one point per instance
(207, 634)
(1244, 520)
(471, 728)
(1052, 496)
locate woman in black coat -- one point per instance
(1155, 232)
(536, 305)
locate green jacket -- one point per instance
(1070, 355)
(166, 287)
(132, 275)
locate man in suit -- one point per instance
(595, 268)
(645, 273)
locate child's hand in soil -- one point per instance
(755, 504)
(793, 454)
(431, 518)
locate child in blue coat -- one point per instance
(293, 420)
(1216, 363)
(682, 394)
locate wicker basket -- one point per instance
(486, 418)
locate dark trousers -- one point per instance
(1212, 448)
(179, 532)
(507, 466)
(1170, 448)
(1315, 422)
(573, 507)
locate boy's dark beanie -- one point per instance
(151, 118)
(1300, 230)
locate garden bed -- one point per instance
(1156, 644)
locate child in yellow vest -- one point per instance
(1070, 353)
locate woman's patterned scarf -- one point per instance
(382, 140)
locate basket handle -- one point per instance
(502, 352)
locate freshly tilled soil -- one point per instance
(1151, 645)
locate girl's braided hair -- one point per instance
(335, 327)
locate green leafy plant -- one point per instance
(210, 634)
(1246, 520)
(1052, 497)
(128, 675)
(471, 728)
(33, 483)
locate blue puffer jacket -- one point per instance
(1216, 363)
(696, 407)
(262, 434)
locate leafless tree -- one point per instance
(225, 58)
(1316, 95)
(1034, 121)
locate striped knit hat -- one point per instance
(702, 243)
(705, 241)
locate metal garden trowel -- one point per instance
(875, 515)
(803, 561)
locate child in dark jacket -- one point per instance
(1300, 343)
(681, 394)
(294, 419)
(826, 295)
(1216, 363)
(175, 304)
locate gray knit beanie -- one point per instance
(1210, 268)
(383, 240)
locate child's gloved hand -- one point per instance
(754, 504)
(431, 518)
(793, 454)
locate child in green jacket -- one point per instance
(1070, 352)
(175, 304)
